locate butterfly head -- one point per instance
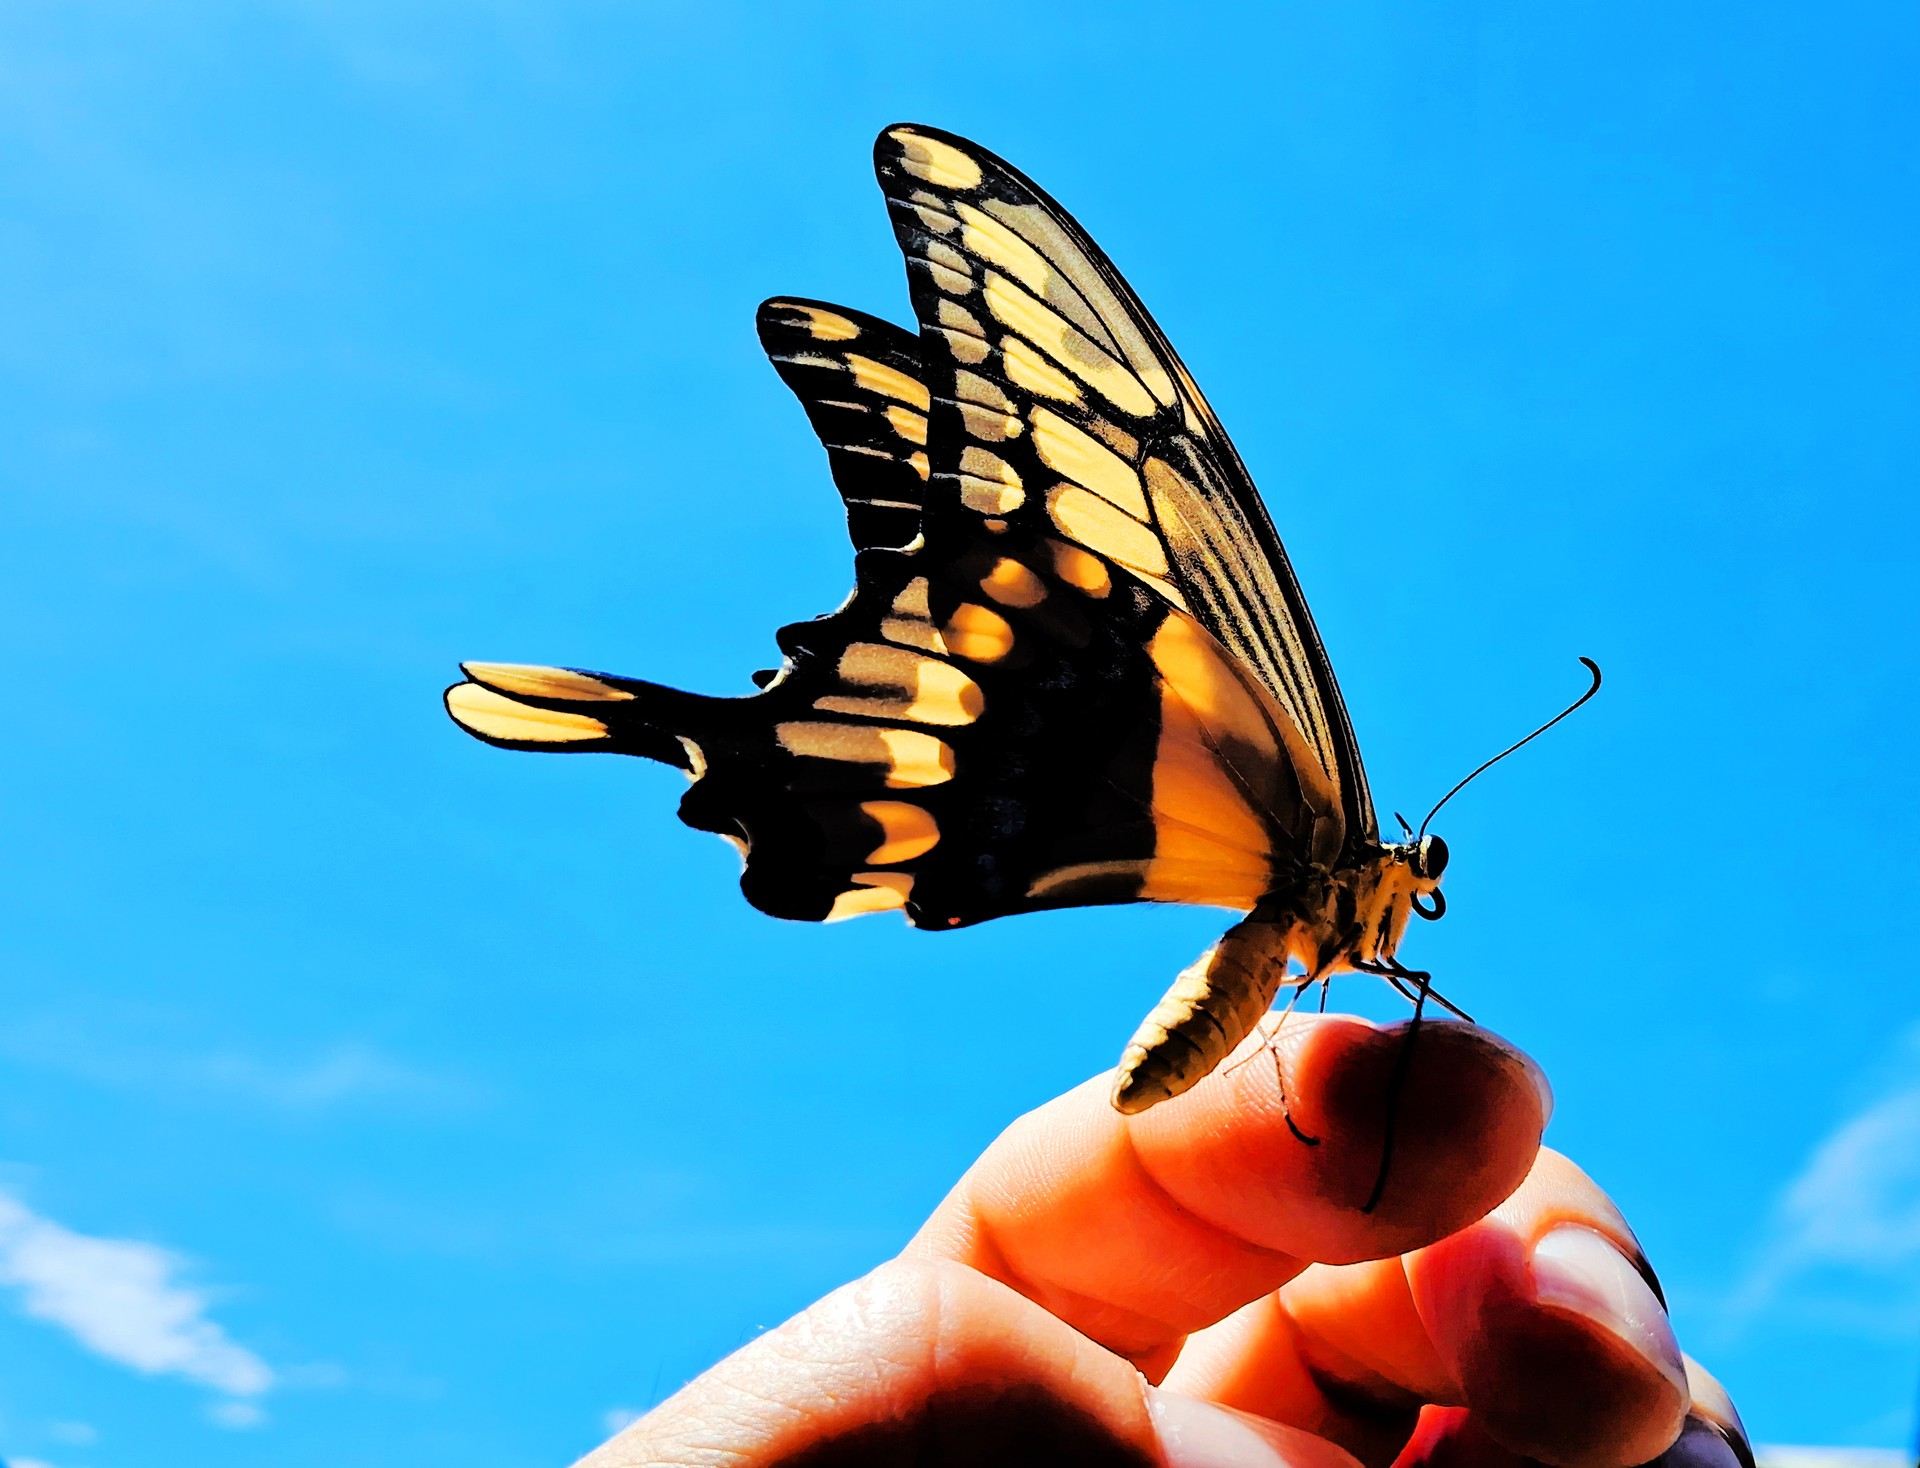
(1426, 857)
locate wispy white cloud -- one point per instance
(123, 1300)
(237, 1416)
(1845, 1232)
(80, 1434)
(1791, 1457)
(344, 1074)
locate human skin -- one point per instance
(1196, 1287)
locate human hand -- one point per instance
(1195, 1287)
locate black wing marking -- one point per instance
(859, 379)
(1054, 395)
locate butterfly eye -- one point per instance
(1431, 859)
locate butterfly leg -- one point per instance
(1425, 983)
(1401, 1063)
(1408, 983)
(1270, 1045)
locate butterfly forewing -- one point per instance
(1101, 432)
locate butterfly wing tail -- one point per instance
(568, 710)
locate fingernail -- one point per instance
(1578, 1270)
(1197, 1434)
(1703, 1444)
(1712, 1405)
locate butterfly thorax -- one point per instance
(1356, 911)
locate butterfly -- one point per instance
(1076, 667)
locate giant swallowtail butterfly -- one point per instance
(1076, 667)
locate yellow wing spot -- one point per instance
(978, 634)
(888, 382)
(906, 831)
(1102, 528)
(1044, 234)
(825, 326)
(1065, 877)
(1027, 368)
(499, 717)
(918, 461)
(912, 600)
(952, 271)
(912, 759)
(994, 241)
(966, 347)
(1067, 345)
(1088, 462)
(990, 425)
(912, 632)
(988, 483)
(874, 892)
(988, 238)
(911, 624)
(538, 682)
(953, 314)
(1166, 589)
(937, 220)
(1013, 585)
(921, 690)
(1080, 568)
(696, 756)
(971, 387)
(940, 164)
(908, 424)
(966, 337)
(1118, 439)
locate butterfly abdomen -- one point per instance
(1213, 1005)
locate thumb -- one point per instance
(929, 1363)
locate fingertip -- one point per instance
(1288, 1154)
(1544, 1314)
(1460, 1109)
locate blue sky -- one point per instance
(369, 1095)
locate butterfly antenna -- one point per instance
(1593, 668)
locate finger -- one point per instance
(1137, 1230)
(1449, 1437)
(1550, 1318)
(931, 1363)
(1543, 1318)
